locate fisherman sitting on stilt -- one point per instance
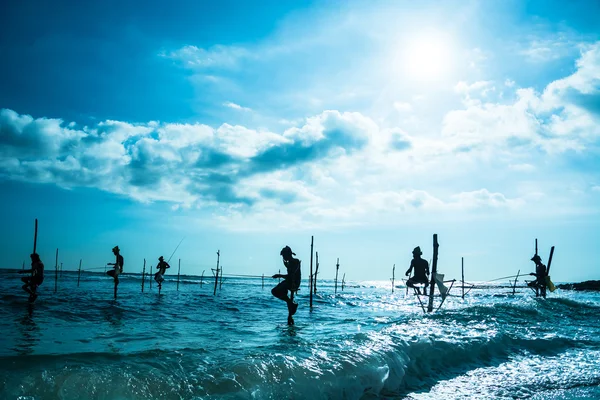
(540, 276)
(37, 276)
(118, 267)
(290, 282)
(161, 269)
(421, 268)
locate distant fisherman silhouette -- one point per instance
(118, 267)
(290, 282)
(540, 275)
(421, 268)
(37, 276)
(161, 269)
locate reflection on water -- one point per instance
(29, 332)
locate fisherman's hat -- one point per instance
(116, 248)
(161, 258)
(536, 258)
(417, 250)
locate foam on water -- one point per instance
(363, 343)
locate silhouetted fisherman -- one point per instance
(161, 269)
(540, 276)
(290, 282)
(118, 267)
(421, 268)
(37, 276)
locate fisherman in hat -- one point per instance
(540, 275)
(421, 268)
(118, 267)
(290, 282)
(161, 269)
(37, 276)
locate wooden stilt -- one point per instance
(343, 280)
(202, 278)
(515, 285)
(143, 275)
(337, 268)
(433, 272)
(79, 273)
(151, 277)
(393, 277)
(263, 281)
(35, 236)
(221, 280)
(312, 239)
(61, 269)
(178, 271)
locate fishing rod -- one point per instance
(172, 254)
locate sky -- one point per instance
(247, 126)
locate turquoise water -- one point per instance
(364, 343)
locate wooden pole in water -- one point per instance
(548, 270)
(433, 272)
(150, 279)
(202, 278)
(337, 268)
(56, 273)
(393, 277)
(143, 275)
(343, 280)
(462, 265)
(536, 247)
(316, 272)
(79, 273)
(178, 271)
(23, 265)
(35, 236)
(515, 285)
(61, 269)
(312, 239)
(263, 281)
(217, 273)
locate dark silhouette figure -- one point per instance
(540, 277)
(37, 276)
(118, 267)
(421, 268)
(161, 268)
(290, 282)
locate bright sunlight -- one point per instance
(428, 57)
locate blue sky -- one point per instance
(245, 127)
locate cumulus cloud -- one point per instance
(182, 163)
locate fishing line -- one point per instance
(172, 254)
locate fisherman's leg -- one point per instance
(27, 286)
(280, 291)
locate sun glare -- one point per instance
(428, 57)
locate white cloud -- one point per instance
(216, 56)
(236, 106)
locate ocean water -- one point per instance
(364, 343)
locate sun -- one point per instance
(428, 56)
